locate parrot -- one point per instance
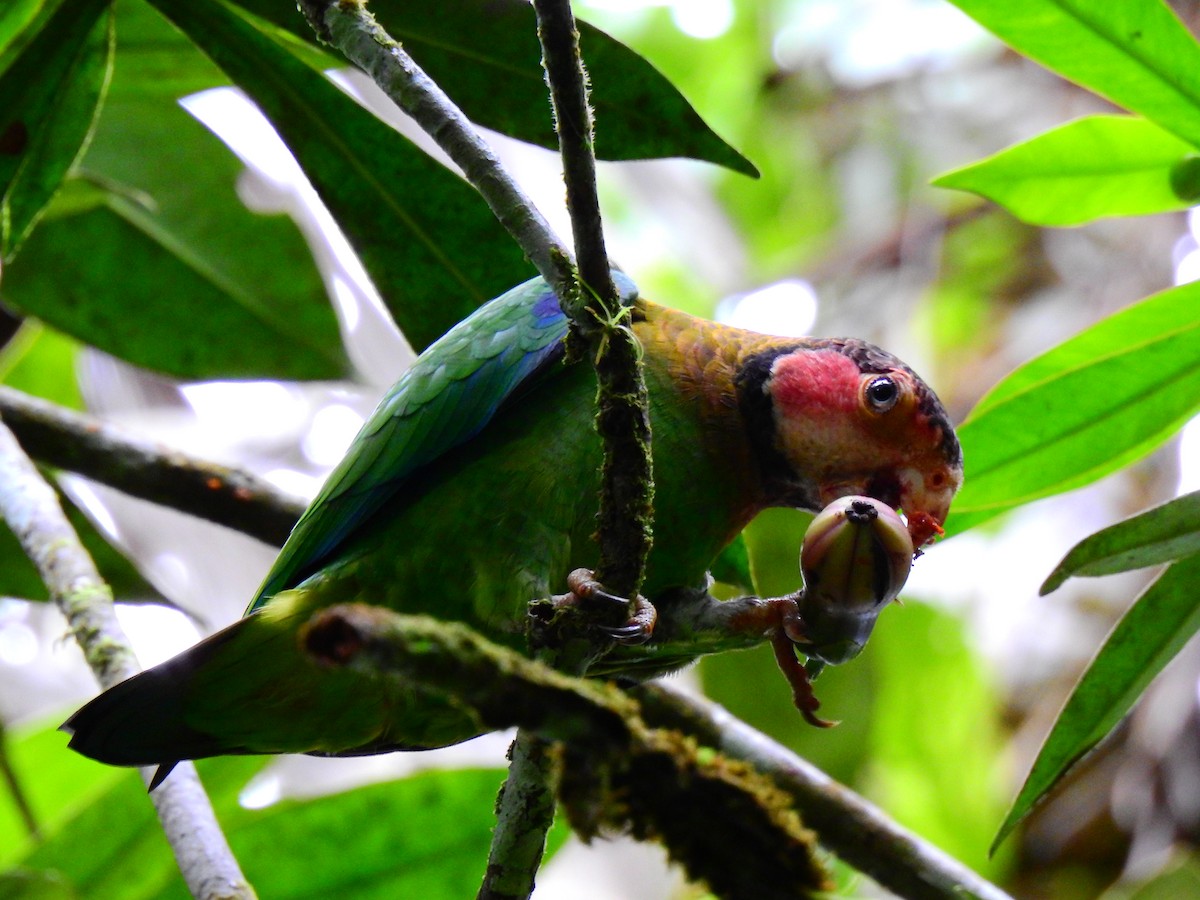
(472, 489)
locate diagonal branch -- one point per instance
(858, 832)
(31, 509)
(353, 30)
(65, 439)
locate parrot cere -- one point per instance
(472, 491)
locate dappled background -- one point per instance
(848, 108)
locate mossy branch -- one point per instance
(855, 830)
(619, 775)
(622, 404)
(851, 828)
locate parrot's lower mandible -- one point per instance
(472, 491)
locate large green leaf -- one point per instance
(52, 80)
(142, 295)
(56, 784)
(126, 856)
(424, 836)
(1134, 52)
(1160, 622)
(1096, 402)
(1159, 535)
(1087, 169)
(429, 242)
(245, 298)
(485, 55)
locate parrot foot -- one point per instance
(588, 595)
(586, 591)
(779, 618)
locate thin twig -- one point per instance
(855, 830)
(31, 509)
(353, 30)
(80, 443)
(622, 403)
(567, 80)
(526, 808)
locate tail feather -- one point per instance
(251, 689)
(140, 722)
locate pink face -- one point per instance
(880, 434)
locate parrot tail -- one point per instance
(251, 688)
(140, 722)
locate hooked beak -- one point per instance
(926, 499)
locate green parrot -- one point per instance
(472, 491)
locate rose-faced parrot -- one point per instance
(472, 491)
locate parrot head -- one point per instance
(854, 420)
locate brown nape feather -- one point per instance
(734, 374)
(725, 369)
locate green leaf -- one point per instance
(52, 81)
(206, 325)
(1087, 169)
(485, 55)
(1096, 402)
(430, 244)
(1156, 627)
(1135, 52)
(57, 785)
(178, 182)
(127, 856)
(938, 748)
(423, 836)
(41, 361)
(732, 566)
(1159, 535)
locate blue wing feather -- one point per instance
(448, 396)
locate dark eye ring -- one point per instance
(881, 393)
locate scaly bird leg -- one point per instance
(779, 619)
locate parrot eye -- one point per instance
(881, 393)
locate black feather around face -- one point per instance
(756, 405)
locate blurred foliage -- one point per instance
(121, 228)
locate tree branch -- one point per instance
(621, 775)
(622, 419)
(855, 830)
(32, 511)
(526, 808)
(852, 828)
(83, 444)
(353, 30)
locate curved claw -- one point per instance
(583, 584)
(585, 589)
(798, 677)
(639, 628)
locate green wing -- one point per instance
(451, 392)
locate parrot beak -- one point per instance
(923, 493)
(925, 497)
